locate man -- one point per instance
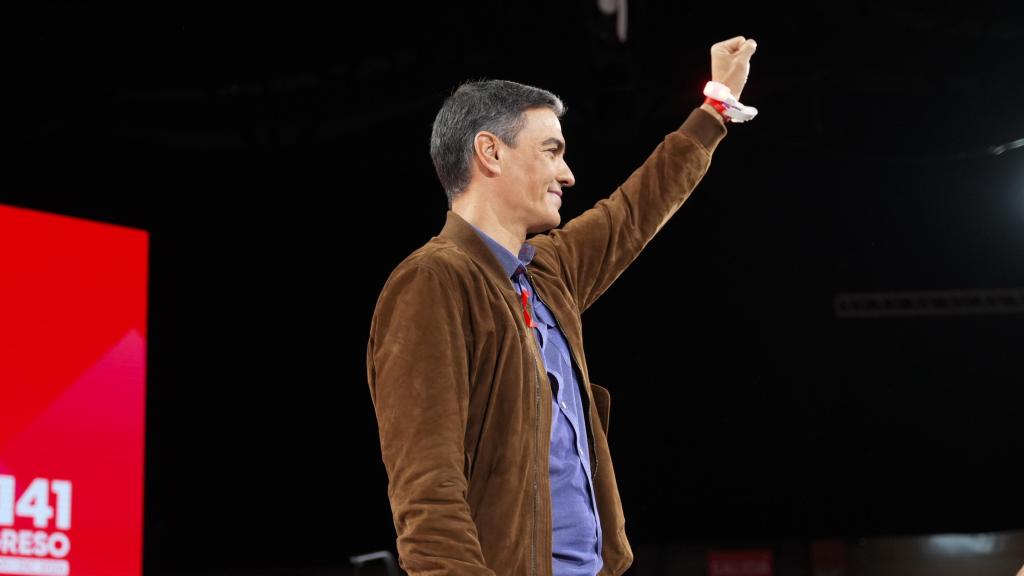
(493, 437)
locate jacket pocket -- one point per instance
(603, 403)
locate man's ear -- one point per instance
(486, 151)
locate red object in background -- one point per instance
(72, 395)
(828, 558)
(751, 562)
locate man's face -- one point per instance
(535, 173)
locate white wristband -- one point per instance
(733, 109)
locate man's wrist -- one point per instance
(714, 113)
(720, 97)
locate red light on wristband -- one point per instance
(717, 105)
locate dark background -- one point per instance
(278, 155)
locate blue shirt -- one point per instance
(576, 531)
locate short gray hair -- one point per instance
(495, 106)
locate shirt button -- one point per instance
(564, 407)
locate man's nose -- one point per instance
(565, 177)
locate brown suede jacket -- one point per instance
(459, 388)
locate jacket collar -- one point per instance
(460, 232)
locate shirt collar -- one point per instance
(509, 262)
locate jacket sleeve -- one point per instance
(418, 374)
(593, 249)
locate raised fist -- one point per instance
(730, 62)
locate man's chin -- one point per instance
(548, 224)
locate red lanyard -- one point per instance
(526, 308)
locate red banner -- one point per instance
(72, 395)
